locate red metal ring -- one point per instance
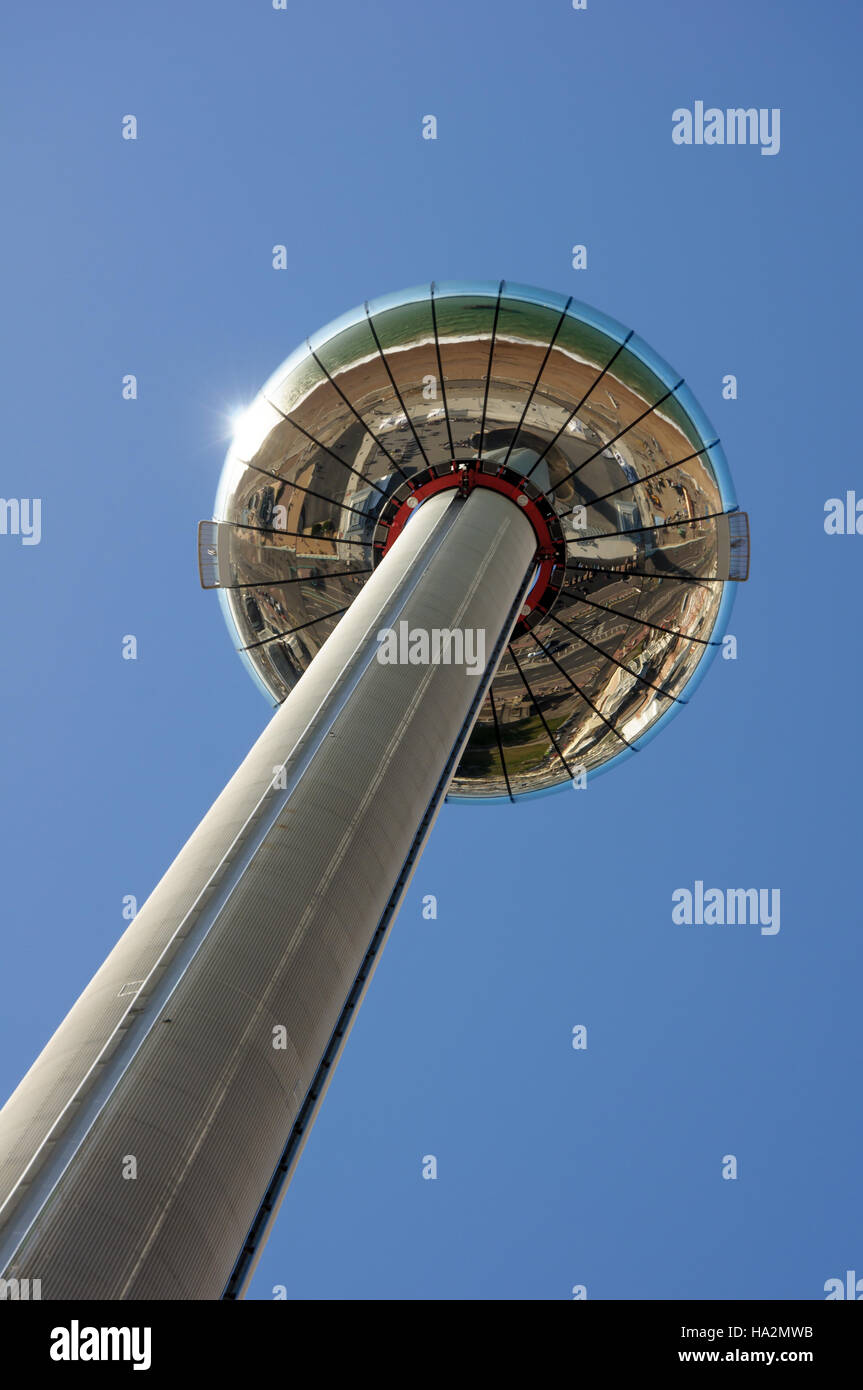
(550, 553)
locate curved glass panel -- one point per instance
(516, 380)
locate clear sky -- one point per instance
(556, 1167)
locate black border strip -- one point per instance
(658, 688)
(630, 618)
(533, 388)
(440, 371)
(597, 453)
(551, 443)
(352, 408)
(648, 476)
(402, 405)
(659, 526)
(499, 742)
(578, 688)
(279, 636)
(488, 371)
(299, 579)
(551, 736)
(318, 445)
(298, 535)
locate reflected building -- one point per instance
(484, 457)
(638, 528)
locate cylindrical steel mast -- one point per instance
(145, 1152)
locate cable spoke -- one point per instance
(551, 443)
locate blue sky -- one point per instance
(556, 1167)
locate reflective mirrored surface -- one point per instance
(513, 379)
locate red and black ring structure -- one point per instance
(463, 477)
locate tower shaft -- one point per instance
(144, 1154)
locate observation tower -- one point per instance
(473, 541)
